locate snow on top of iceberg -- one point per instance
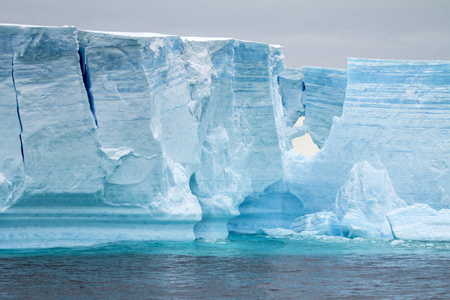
(35, 26)
(382, 62)
(209, 39)
(138, 35)
(130, 34)
(204, 39)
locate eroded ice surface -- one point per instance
(364, 200)
(321, 223)
(360, 208)
(122, 136)
(420, 222)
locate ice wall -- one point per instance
(12, 175)
(45, 98)
(289, 107)
(240, 153)
(56, 120)
(142, 119)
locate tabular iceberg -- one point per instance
(139, 136)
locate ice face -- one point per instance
(127, 89)
(219, 183)
(56, 119)
(323, 98)
(291, 84)
(119, 136)
(237, 140)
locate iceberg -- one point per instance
(111, 136)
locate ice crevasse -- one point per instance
(138, 136)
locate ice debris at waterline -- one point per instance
(139, 136)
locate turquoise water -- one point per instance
(243, 266)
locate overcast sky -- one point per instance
(318, 33)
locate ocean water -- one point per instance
(243, 266)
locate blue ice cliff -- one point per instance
(134, 136)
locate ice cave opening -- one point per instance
(304, 144)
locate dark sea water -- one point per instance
(244, 266)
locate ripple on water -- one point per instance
(248, 266)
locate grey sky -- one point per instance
(318, 33)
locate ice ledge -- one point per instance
(420, 222)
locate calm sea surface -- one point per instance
(244, 266)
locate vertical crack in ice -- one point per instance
(87, 82)
(17, 105)
(390, 226)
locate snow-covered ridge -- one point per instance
(112, 136)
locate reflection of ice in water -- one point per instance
(304, 144)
